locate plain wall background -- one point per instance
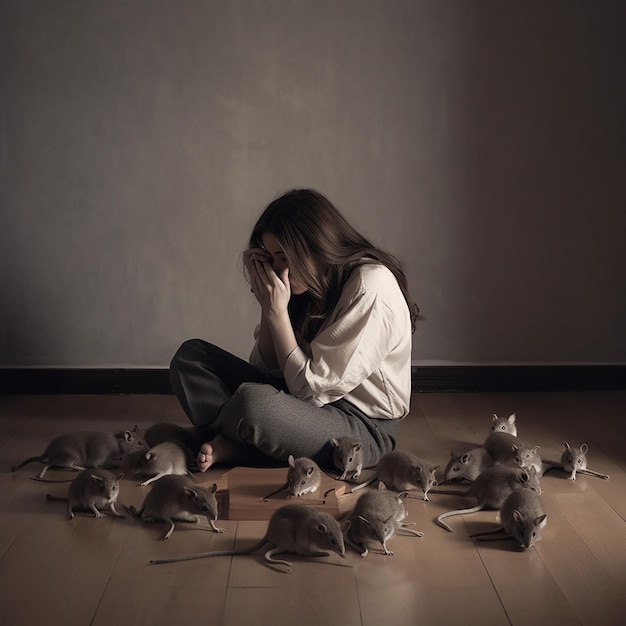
(483, 142)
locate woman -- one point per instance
(332, 353)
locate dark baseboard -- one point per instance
(453, 378)
(88, 381)
(511, 378)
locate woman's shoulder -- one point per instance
(374, 284)
(372, 276)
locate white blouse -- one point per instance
(363, 351)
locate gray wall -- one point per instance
(482, 142)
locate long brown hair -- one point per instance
(321, 249)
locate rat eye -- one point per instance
(350, 460)
(579, 461)
(303, 482)
(503, 427)
(333, 542)
(205, 507)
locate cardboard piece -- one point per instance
(247, 486)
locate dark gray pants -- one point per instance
(223, 394)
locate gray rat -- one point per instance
(92, 489)
(187, 438)
(377, 515)
(468, 465)
(491, 489)
(79, 450)
(348, 457)
(163, 459)
(511, 450)
(166, 431)
(179, 499)
(522, 517)
(529, 457)
(294, 529)
(303, 476)
(504, 424)
(403, 471)
(575, 460)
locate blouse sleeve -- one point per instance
(345, 353)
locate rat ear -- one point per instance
(96, 477)
(512, 418)
(465, 458)
(345, 525)
(539, 520)
(434, 468)
(494, 419)
(335, 443)
(382, 486)
(357, 446)
(191, 493)
(524, 477)
(213, 488)
(119, 476)
(566, 446)
(536, 449)
(517, 516)
(584, 448)
(310, 470)
(136, 429)
(149, 455)
(291, 461)
(366, 521)
(321, 529)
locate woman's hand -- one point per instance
(250, 256)
(271, 290)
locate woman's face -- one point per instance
(278, 261)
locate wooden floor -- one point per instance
(96, 571)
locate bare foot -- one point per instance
(220, 450)
(206, 457)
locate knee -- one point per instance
(185, 353)
(253, 407)
(252, 398)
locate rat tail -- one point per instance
(440, 519)
(203, 555)
(362, 485)
(41, 459)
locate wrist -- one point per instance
(277, 316)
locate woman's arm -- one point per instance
(273, 292)
(368, 335)
(252, 258)
(276, 338)
(265, 344)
